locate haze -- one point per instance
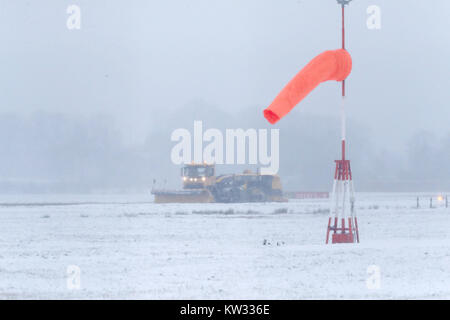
(92, 110)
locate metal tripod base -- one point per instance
(342, 223)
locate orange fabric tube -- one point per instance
(329, 65)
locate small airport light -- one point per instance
(440, 198)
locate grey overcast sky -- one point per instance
(138, 61)
(134, 59)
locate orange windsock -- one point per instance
(329, 65)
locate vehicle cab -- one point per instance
(198, 176)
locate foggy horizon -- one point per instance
(88, 154)
(92, 110)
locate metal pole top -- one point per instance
(343, 2)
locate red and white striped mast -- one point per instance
(342, 223)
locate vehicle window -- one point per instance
(209, 171)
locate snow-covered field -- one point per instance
(128, 247)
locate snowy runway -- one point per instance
(126, 248)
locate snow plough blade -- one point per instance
(183, 196)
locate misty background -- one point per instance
(92, 110)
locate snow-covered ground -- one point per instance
(127, 247)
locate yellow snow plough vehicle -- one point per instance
(200, 185)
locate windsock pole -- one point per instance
(342, 222)
(343, 87)
(343, 118)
